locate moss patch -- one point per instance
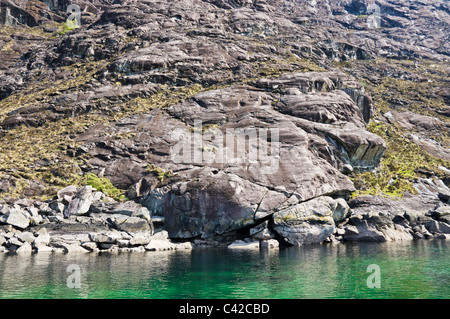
(159, 172)
(103, 185)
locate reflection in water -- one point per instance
(416, 269)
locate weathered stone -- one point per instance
(67, 193)
(74, 248)
(376, 228)
(258, 228)
(240, 244)
(43, 249)
(261, 232)
(365, 231)
(25, 237)
(24, 249)
(270, 244)
(219, 195)
(105, 238)
(81, 202)
(398, 232)
(138, 249)
(441, 213)
(310, 222)
(265, 234)
(437, 227)
(14, 242)
(18, 219)
(143, 213)
(105, 246)
(89, 245)
(11, 232)
(159, 245)
(441, 236)
(41, 231)
(12, 248)
(128, 208)
(125, 235)
(139, 239)
(23, 203)
(131, 224)
(350, 230)
(123, 243)
(340, 232)
(321, 116)
(183, 246)
(161, 235)
(32, 211)
(36, 220)
(341, 210)
(57, 207)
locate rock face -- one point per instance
(224, 193)
(376, 228)
(221, 118)
(383, 219)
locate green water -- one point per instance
(418, 269)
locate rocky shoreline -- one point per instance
(82, 220)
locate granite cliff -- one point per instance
(211, 121)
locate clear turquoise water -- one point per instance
(417, 269)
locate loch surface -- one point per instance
(417, 269)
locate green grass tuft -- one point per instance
(159, 172)
(103, 185)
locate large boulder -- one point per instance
(81, 202)
(435, 226)
(309, 222)
(213, 205)
(131, 224)
(24, 249)
(160, 241)
(376, 227)
(42, 239)
(25, 237)
(17, 218)
(67, 193)
(105, 237)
